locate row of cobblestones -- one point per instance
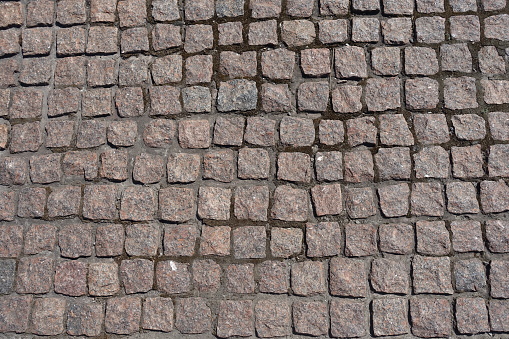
(348, 277)
(242, 95)
(431, 317)
(428, 129)
(322, 239)
(178, 204)
(254, 168)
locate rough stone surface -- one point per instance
(251, 202)
(494, 196)
(460, 93)
(75, 240)
(462, 198)
(308, 278)
(393, 163)
(470, 275)
(263, 33)
(109, 240)
(350, 62)
(180, 240)
(310, 317)
(103, 278)
(286, 242)
(472, 315)
(333, 31)
(237, 95)
(39, 238)
(294, 167)
(348, 277)
(229, 131)
(394, 130)
(497, 236)
(123, 315)
(432, 275)
(7, 274)
(360, 202)
(327, 199)
(494, 26)
(495, 91)
(278, 64)
(298, 32)
(359, 166)
(456, 57)
(462, 169)
(430, 29)
(192, 315)
(142, 239)
(71, 278)
(215, 240)
(276, 98)
(249, 242)
(206, 275)
(347, 99)
(240, 278)
(31, 202)
(260, 131)
(421, 93)
(218, 165)
(469, 126)
(315, 62)
(329, 166)
(348, 318)
(136, 275)
(290, 204)
(313, 96)
(214, 203)
(253, 163)
(421, 61)
(99, 202)
(85, 318)
(176, 204)
(431, 317)
(498, 314)
(432, 238)
(360, 240)
(397, 31)
(48, 316)
(498, 278)
(390, 276)
(15, 312)
(274, 277)
(34, 274)
(390, 316)
(158, 314)
(272, 319)
(173, 277)
(467, 236)
(323, 239)
(396, 238)
(427, 199)
(394, 200)
(235, 318)
(382, 94)
(254, 168)
(138, 204)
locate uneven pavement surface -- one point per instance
(254, 168)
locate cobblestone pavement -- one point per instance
(254, 168)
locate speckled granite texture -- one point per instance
(254, 168)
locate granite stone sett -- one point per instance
(254, 168)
